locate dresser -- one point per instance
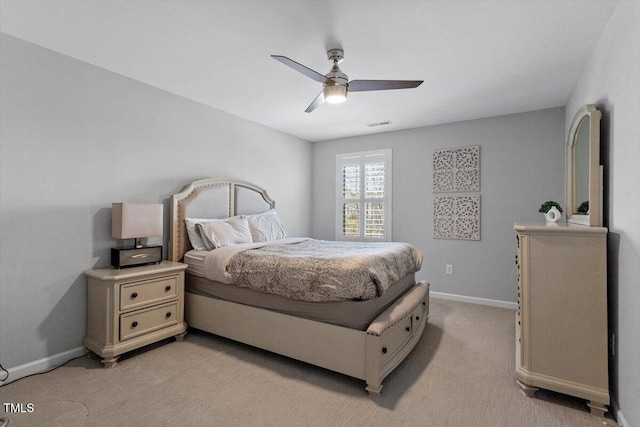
(133, 307)
(561, 322)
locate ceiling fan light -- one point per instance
(335, 94)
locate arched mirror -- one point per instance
(584, 172)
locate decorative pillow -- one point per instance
(266, 226)
(194, 236)
(231, 231)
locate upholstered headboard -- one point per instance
(212, 198)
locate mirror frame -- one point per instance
(594, 217)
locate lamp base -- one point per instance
(134, 257)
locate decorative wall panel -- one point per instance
(456, 170)
(456, 217)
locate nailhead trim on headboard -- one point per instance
(176, 241)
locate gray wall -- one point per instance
(76, 138)
(522, 165)
(611, 79)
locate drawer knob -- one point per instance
(384, 350)
(168, 314)
(408, 328)
(134, 295)
(417, 317)
(167, 289)
(134, 324)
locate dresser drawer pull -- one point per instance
(134, 295)
(408, 328)
(167, 289)
(134, 324)
(384, 350)
(417, 317)
(168, 314)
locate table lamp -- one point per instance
(135, 221)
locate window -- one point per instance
(363, 196)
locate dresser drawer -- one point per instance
(147, 320)
(153, 291)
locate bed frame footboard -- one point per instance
(394, 333)
(368, 355)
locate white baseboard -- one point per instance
(622, 421)
(475, 300)
(42, 365)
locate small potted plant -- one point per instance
(583, 209)
(552, 211)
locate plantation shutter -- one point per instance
(363, 197)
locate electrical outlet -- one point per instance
(449, 269)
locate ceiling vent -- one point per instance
(371, 125)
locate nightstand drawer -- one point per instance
(144, 321)
(138, 294)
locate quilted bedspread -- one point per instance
(319, 270)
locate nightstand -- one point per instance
(133, 307)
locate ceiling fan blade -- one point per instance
(300, 68)
(316, 103)
(366, 85)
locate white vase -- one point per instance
(553, 214)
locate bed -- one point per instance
(366, 347)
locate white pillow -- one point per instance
(266, 226)
(194, 236)
(231, 231)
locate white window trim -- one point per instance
(387, 199)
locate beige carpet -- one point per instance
(460, 374)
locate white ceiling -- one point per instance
(477, 58)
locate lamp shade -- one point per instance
(134, 220)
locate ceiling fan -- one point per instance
(336, 84)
